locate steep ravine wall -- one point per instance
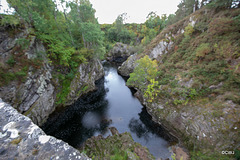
(194, 124)
(35, 95)
(20, 138)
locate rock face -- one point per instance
(196, 125)
(20, 138)
(85, 80)
(119, 145)
(128, 66)
(35, 96)
(120, 53)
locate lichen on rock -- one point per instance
(20, 138)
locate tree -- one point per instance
(85, 27)
(144, 72)
(93, 37)
(119, 22)
(170, 19)
(150, 22)
(86, 11)
(223, 4)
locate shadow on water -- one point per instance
(144, 125)
(80, 121)
(112, 104)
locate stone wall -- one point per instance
(20, 138)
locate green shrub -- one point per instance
(6, 76)
(152, 90)
(117, 155)
(201, 26)
(61, 97)
(143, 72)
(188, 30)
(203, 50)
(11, 61)
(225, 49)
(11, 20)
(237, 154)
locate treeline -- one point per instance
(72, 35)
(187, 7)
(142, 34)
(133, 33)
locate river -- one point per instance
(112, 105)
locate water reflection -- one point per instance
(143, 127)
(137, 127)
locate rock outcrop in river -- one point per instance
(20, 138)
(120, 52)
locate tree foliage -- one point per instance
(137, 34)
(63, 32)
(144, 72)
(71, 35)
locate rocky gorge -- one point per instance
(33, 96)
(193, 91)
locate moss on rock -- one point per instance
(117, 146)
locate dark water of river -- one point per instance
(111, 105)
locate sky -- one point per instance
(137, 10)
